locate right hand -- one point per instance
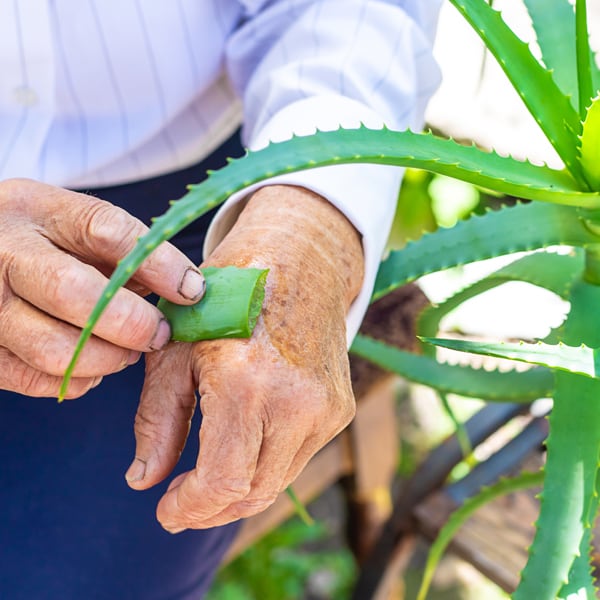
(56, 249)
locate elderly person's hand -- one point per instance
(56, 248)
(269, 402)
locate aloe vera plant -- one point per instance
(562, 208)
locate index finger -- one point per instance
(230, 444)
(65, 288)
(100, 232)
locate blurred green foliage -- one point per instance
(427, 201)
(285, 564)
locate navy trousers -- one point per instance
(70, 527)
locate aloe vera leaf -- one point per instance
(361, 145)
(459, 517)
(584, 68)
(467, 381)
(567, 500)
(300, 509)
(581, 584)
(550, 108)
(511, 229)
(460, 431)
(575, 359)
(590, 144)
(229, 309)
(551, 271)
(557, 44)
(578, 328)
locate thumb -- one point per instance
(162, 422)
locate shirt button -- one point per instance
(25, 96)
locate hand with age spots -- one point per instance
(269, 403)
(56, 249)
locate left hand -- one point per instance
(269, 403)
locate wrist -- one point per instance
(298, 235)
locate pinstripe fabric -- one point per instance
(96, 93)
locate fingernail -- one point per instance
(192, 285)
(134, 356)
(136, 470)
(162, 335)
(174, 531)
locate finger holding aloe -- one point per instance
(57, 248)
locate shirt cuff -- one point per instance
(365, 194)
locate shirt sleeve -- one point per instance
(300, 66)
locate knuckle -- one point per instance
(147, 426)
(252, 506)
(14, 190)
(24, 379)
(106, 225)
(336, 408)
(347, 410)
(226, 491)
(46, 357)
(62, 282)
(136, 326)
(50, 352)
(29, 381)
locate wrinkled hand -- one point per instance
(56, 248)
(270, 402)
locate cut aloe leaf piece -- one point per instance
(229, 309)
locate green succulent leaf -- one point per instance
(493, 386)
(590, 144)
(579, 328)
(581, 582)
(511, 229)
(581, 360)
(338, 147)
(584, 58)
(568, 500)
(557, 44)
(551, 109)
(460, 516)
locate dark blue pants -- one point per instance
(70, 527)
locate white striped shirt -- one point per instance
(97, 93)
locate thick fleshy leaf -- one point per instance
(590, 145)
(546, 102)
(340, 147)
(581, 360)
(584, 57)
(557, 44)
(493, 386)
(518, 228)
(568, 500)
(581, 583)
